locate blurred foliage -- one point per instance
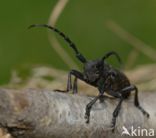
(83, 21)
(41, 77)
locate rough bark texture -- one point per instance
(46, 114)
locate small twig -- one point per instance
(55, 13)
(53, 40)
(135, 42)
(131, 58)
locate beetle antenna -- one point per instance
(110, 54)
(71, 44)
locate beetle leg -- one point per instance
(119, 95)
(78, 75)
(75, 86)
(117, 109)
(137, 104)
(69, 85)
(136, 99)
(89, 106)
(115, 113)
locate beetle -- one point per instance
(103, 76)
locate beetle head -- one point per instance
(93, 70)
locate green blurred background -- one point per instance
(83, 21)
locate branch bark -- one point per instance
(45, 114)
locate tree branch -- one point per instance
(46, 114)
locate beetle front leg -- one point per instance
(69, 85)
(88, 108)
(117, 109)
(75, 91)
(115, 113)
(77, 75)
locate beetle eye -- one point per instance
(97, 66)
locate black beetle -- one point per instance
(101, 75)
